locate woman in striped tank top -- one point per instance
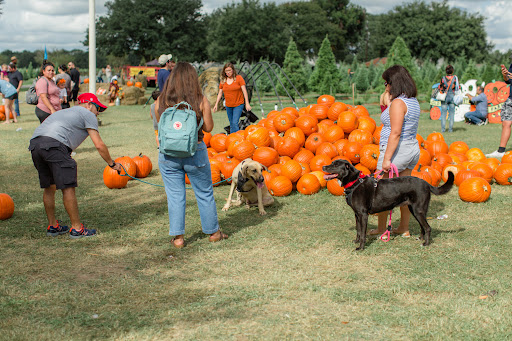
(398, 143)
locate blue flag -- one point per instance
(45, 54)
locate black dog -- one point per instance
(366, 196)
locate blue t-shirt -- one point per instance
(68, 126)
(481, 103)
(163, 74)
(7, 88)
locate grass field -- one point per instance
(290, 275)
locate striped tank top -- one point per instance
(411, 120)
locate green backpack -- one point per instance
(178, 131)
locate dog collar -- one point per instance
(351, 183)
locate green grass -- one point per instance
(292, 274)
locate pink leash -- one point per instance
(386, 236)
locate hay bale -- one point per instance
(209, 81)
(132, 95)
(142, 100)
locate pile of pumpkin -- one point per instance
(138, 167)
(2, 113)
(295, 144)
(136, 84)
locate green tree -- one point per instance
(293, 66)
(470, 73)
(148, 28)
(490, 73)
(429, 29)
(30, 71)
(361, 78)
(325, 76)
(399, 54)
(247, 31)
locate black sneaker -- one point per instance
(55, 231)
(83, 232)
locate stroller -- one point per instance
(246, 119)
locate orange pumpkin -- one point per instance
(507, 157)
(320, 176)
(268, 176)
(308, 184)
(222, 157)
(335, 110)
(492, 162)
(503, 92)
(484, 169)
(138, 85)
(292, 111)
(458, 158)
(334, 187)
(324, 125)
(328, 149)
(276, 169)
(292, 170)
(216, 174)
(421, 141)
(307, 123)
(419, 173)
(113, 180)
(347, 120)
(129, 83)
(305, 168)
(86, 81)
(129, 166)
(474, 190)
(435, 136)
(319, 161)
(434, 174)
(334, 133)
(366, 123)
(475, 154)
(266, 156)
(297, 134)
(376, 134)
(280, 186)
(143, 166)
(319, 111)
(340, 144)
(503, 174)
(288, 146)
(363, 169)
(436, 147)
(218, 142)
(327, 100)
(369, 156)
(313, 141)
(442, 159)
(260, 137)
(450, 168)
(283, 122)
(362, 136)
(243, 150)
(460, 147)
(464, 174)
(425, 158)
(351, 150)
(304, 156)
(283, 160)
(360, 111)
(206, 138)
(228, 167)
(7, 206)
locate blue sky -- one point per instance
(61, 24)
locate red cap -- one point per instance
(91, 98)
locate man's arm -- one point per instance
(102, 149)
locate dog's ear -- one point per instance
(245, 166)
(263, 167)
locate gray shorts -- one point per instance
(506, 110)
(407, 155)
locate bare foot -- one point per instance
(178, 241)
(375, 232)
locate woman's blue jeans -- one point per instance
(197, 168)
(234, 114)
(449, 106)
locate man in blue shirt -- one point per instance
(479, 116)
(506, 115)
(166, 64)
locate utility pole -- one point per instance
(92, 47)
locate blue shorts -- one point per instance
(406, 156)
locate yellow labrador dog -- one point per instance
(250, 185)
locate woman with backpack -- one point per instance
(183, 86)
(235, 94)
(449, 84)
(48, 92)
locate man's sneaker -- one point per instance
(486, 121)
(481, 123)
(55, 231)
(83, 232)
(495, 154)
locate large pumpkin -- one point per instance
(6, 206)
(143, 165)
(475, 154)
(436, 147)
(484, 169)
(474, 190)
(288, 146)
(335, 188)
(362, 136)
(369, 156)
(216, 174)
(114, 180)
(260, 137)
(243, 150)
(460, 147)
(292, 170)
(314, 141)
(334, 133)
(335, 110)
(507, 157)
(266, 156)
(308, 184)
(297, 134)
(304, 156)
(291, 110)
(129, 165)
(319, 161)
(218, 142)
(465, 174)
(280, 186)
(138, 84)
(307, 123)
(228, 167)
(326, 100)
(328, 149)
(503, 174)
(283, 122)
(319, 111)
(347, 120)
(351, 151)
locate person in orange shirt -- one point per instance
(235, 94)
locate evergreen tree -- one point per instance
(325, 76)
(344, 84)
(30, 71)
(372, 69)
(399, 54)
(293, 66)
(490, 73)
(361, 78)
(471, 72)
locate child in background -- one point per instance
(63, 95)
(4, 73)
(154, 95)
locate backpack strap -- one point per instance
(200, 124)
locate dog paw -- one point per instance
(361, 248)
(225, 208)
(263, 212)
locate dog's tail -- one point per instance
(444, 188)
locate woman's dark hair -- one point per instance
(182, 85)
(449, 70)
(400, 82)
(45, 64)
(63, 67)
